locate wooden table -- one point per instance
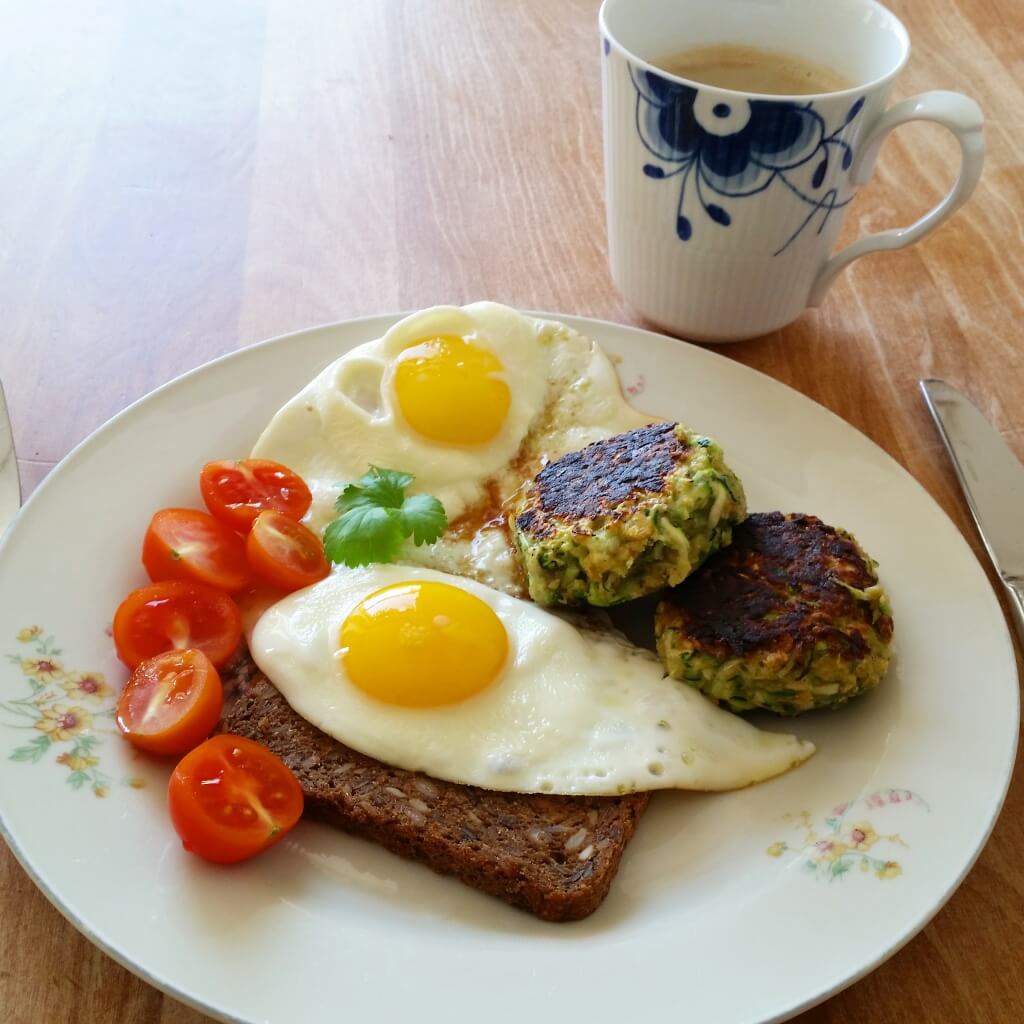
(185, 178)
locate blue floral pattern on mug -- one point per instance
(738, 147)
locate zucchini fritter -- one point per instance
(626, 516)
(789, 618)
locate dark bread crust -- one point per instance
(553, 856)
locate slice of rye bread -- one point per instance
(554, 856)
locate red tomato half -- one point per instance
(231, 798)
(173, 616)
(183, 544)
(237, 492)
(284, 554)
(171, 703)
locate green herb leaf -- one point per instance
(363, 535)
(423, 517)
(376, 517)
(384, 488)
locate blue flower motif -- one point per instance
(736, 148)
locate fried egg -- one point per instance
(430, 672)
(470, 400)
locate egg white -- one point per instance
(348, 417)
(564, 395)
(570, 713)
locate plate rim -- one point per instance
(914, 928)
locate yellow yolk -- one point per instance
(422, 644)
(452, 390)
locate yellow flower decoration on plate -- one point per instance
(62, 723)
(76, 763)
(834, 848)
(61, 706)
(86, 686)
(46, 670)
(862, 836)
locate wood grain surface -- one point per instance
(186, 177)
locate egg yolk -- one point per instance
(452, 390)
(422, 644)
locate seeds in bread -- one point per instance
(553, 856)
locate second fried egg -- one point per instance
(433, 673)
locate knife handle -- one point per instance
(1015, 588)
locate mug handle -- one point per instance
(963, 117)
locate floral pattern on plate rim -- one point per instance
(64, 710)
(839, 845)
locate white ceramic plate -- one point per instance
(741, 907)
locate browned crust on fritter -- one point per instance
(599, 479)
(778, 587)
(523, 849)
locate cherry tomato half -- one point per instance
(231, 798)
(171, 703)
(237, 492)
(284, 553)
(183, 544)
(173, 616)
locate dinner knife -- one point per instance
(992, 479)
(10, 485)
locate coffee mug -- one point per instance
(724, 206)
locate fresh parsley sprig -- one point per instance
(376, 517)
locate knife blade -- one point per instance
(10, 485)
(992, 480)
